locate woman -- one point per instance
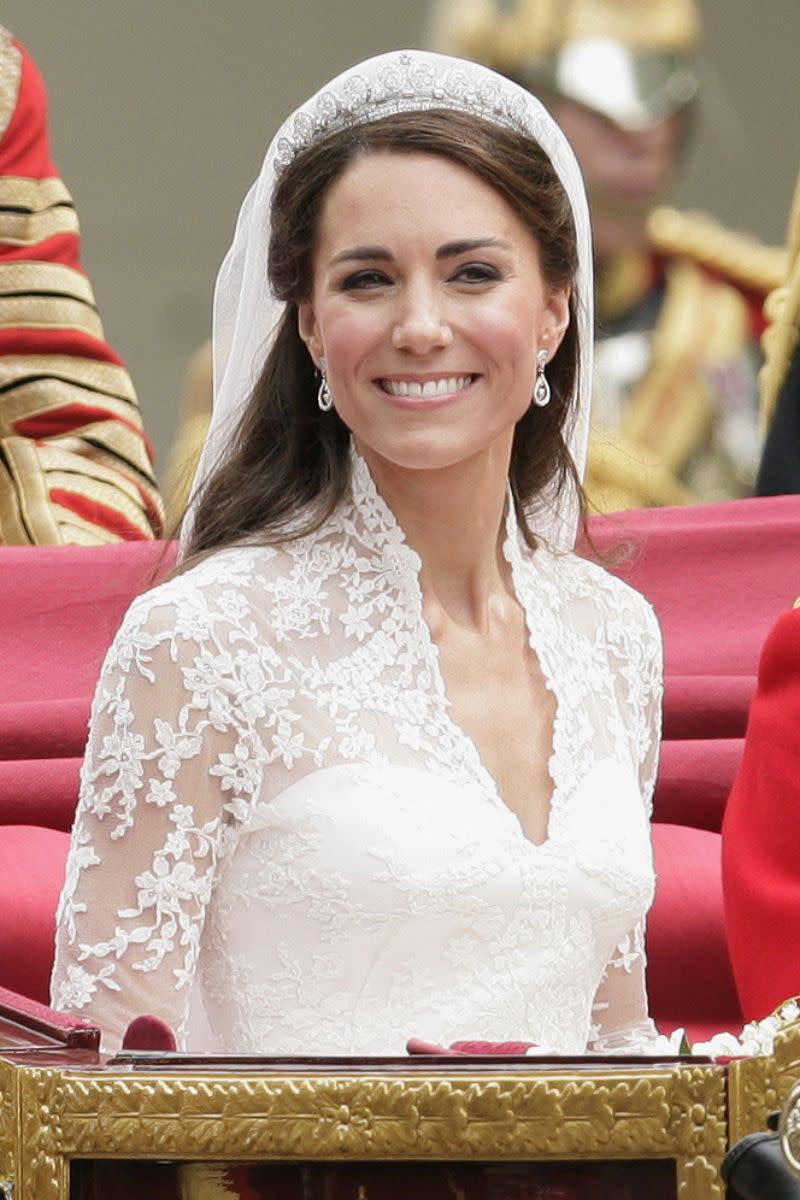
(377, 763)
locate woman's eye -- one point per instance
(363, 280)
(476, 273)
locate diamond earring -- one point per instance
(324, 397)
(541, 388)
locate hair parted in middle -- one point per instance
(288, 466)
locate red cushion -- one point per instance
(59, 608)
(31, 875)
(694, 778)
(689, 977)
(717, 576)
(43, 790)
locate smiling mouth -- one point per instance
(413, 389)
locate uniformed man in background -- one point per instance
(75, 465)
(679, 299)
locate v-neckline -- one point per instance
(407, 564)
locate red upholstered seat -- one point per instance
(31, 874)
(717, 576)
(687, 949)
(59, 608)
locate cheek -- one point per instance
(348, 335)
(508, 336)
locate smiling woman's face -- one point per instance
(428, 306)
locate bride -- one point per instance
(377, 761)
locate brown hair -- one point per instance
(288, 465)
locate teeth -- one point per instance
(432, 387)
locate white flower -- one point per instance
(183, 816)
(357, 621)
(76, 991)
(789, 1012)
(238, 809)
(357, 745)
(233, 605)
(289, 746)
(160, 793)
(97, 802)
(122, 753)
(756, 1037)
(239, 772)
(627, 954)
(166, 887)
(719, 1045)
(177, 746)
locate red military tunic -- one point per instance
(761, 833)
(75, 466)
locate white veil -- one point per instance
(245, 311)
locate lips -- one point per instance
(428, 389)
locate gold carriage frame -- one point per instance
(58, 1105)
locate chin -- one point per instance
(428, 451)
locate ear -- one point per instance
(555, 319)
(307, 328)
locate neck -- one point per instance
(454, 518)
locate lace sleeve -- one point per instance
(170, 766)
(620, 1016)
(620, 1020)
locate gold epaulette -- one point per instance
(622, 475)
(196, 394)
(782, 310)
(10, 75)
(744, 260)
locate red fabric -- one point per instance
(491, 1047)
(149, 1033)
(689, 977)
(32, 1014)
(761, 833)
(56, 421)
(97, 514)
(56, 341)
(31, 875)
(59, 248)
(694, 779)
(717, 575)
(418, 1046)
(24, 147)
(59, 609)
(44, 787)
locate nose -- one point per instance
(420, 321)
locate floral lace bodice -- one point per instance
(284, 843)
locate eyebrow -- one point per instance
(448, 250)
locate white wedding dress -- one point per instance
(285, 845)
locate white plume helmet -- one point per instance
(246, 313)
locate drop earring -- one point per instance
(324, 397)
(541, 388)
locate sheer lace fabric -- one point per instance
(285, 844)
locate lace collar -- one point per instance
(388, 535)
